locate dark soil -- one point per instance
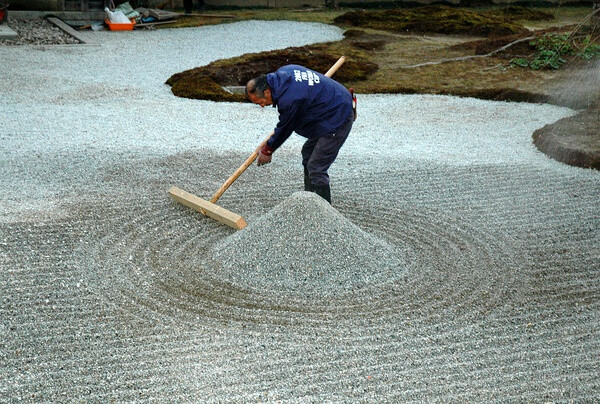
(517, 13)
(574, 140)
(432, 19)
(488, 45)
(205, 82)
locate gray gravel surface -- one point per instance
(109, 290)
(36, 31)
(306, 248)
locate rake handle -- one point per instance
(254, 155)
(239, 171)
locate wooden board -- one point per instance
(162, 15)
(207, 15)
(207, 208)
(152, 24)
(67, 28)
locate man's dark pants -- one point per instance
(318, 155)
(188, 4)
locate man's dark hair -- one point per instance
(257, 86)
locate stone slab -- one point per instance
(7, 32)
(235, 89)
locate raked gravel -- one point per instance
(109, 290)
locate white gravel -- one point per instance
(107, 292)
(97, 103)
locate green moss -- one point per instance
(517, 13)
(202, 88)
(431, 19)
(205, 82)
(485, 46)
(375, 60)
(354, 33)
(525, 48)
(359, 39)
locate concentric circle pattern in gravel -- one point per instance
(305, 247)
(110, 291)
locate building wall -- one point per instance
(42, 5)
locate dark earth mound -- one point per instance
(205, 82)
(574, 140)
(521, 46)
(432, 19)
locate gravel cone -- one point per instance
(305, 248)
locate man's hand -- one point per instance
(353, 102)
(264, 156)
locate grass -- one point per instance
(563, 15)
(324, 16)
(435, 19)
(205, 82)
(379, 55)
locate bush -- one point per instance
(551, 50)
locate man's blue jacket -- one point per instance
(309, 103)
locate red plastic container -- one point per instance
(3, 12)
(120, 27)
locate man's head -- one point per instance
(258, 91)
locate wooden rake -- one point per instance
(210, 208)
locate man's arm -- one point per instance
(283, 130)
(285, 126)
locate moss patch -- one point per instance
(574, 140)
(485, 46)
(432, 19)
(205, 82)
(518, 13)
(201, 87)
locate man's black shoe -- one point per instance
(307, 185)
(324, 191)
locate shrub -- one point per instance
(551, 50)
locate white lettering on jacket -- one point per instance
(307, 76)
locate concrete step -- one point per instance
(7, 32)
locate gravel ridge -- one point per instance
(108, 294)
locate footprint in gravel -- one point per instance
(305, 248)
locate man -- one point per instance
(188, 4)
(315, 107)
